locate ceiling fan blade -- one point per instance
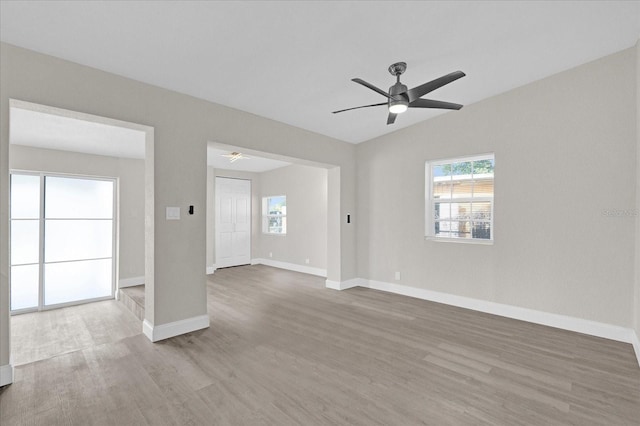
(363, 106)
(371, 86)
(391, 118)
(428, 103)
(425, 88)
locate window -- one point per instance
(459, 197)
(274, 215)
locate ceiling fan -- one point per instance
(399, 98)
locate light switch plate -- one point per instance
(173, 213)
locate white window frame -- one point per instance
(266, 216)
(429, 201)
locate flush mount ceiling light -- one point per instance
(400, 99)
(235, 156)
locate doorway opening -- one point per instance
(82, 228)
(287, 219)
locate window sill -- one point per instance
(459, 241)
(275, 234)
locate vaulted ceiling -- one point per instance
(293, 61)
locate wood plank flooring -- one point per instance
(283, 350)
(41, 335)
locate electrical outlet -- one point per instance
(270, 254)
(397, 276)
(306, 261)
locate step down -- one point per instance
(133, 299)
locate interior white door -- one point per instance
(233, 222)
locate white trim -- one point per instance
(333, 285)
(30, 106)
(579, 325)
(343, 285)
(635, 341)
(290, 266)
(147, 329)
(6, 374)
(130, 282)
(459, 240)
(176, 328)
(211, 269)
(473, 157)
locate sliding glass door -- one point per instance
(62, 240)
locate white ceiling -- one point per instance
(251, 164)
(51, 131)
(293, 61)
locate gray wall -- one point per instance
(306, 190)
(637, 251)
(182, 126)
(565, 150)
(131, 195)
(306, 238)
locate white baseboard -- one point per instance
(176, 328)
(211, 269)
(130, 282)
(6, 374)
(579, 325)
(290, 266)
(343, 285)
(635, 341)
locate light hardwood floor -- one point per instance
(283, 350)
(41, 335)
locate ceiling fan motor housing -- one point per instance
(398, 95)
(398, 91)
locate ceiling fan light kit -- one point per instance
(398, 107)
(400, 98)
(235, 156)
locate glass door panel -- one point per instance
(78, 235)
(25, 284)
(67, 282)
(75, 198)
(25, 196)
(71, 222)
(66, 240)
(25, 241)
